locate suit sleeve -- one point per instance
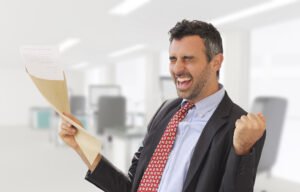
(240, 171)
(108, 178)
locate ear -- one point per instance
(216, 62)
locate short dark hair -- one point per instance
(210, 35)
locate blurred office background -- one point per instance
(116, 58)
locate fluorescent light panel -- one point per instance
(68, 43)
(127, 50)
(80, 65)
(252, 11)
(127, 6)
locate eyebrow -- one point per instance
(188, 57)
(184, 57)
(172, 57)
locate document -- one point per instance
(42, 65)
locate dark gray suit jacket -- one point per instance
(214, 165)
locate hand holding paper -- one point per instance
(68, 132)
(42, 66)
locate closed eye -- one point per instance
(172, 59)
(188, 58)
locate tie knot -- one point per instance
(188, 105)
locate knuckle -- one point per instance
(61, 134)
(238, 122)
(251, 116)
(244, 118)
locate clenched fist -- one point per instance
(248, 130)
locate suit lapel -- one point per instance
(217, 120)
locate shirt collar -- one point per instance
(210, 101)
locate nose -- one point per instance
(177, 68)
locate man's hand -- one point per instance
(68, 132)
(248, 130)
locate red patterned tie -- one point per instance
(151, 178)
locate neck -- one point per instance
(207, 91)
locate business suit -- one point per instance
(214, 165)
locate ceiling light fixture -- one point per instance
(127, 50)
(127, 6)
(68, 43)
(80, 65)
(268, 6)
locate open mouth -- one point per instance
(183, 83)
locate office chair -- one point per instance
(274, 110)
(111, 113)
(78, 108)
(78, 104)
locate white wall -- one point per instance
(235, 67)
(75, 81)
(102, 74)
(131, 76)
(275, 70)
(18, 94)
(164, 63)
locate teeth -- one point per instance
(182, 79)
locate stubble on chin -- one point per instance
(194, 92)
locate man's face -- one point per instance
(193, 75)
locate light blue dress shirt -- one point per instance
(188, 133)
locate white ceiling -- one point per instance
(50, 22)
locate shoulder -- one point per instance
(234, 110)
(165, 108)
(168, 105)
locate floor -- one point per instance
(31, 162)
(273, 184)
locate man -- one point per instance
(200, 142)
